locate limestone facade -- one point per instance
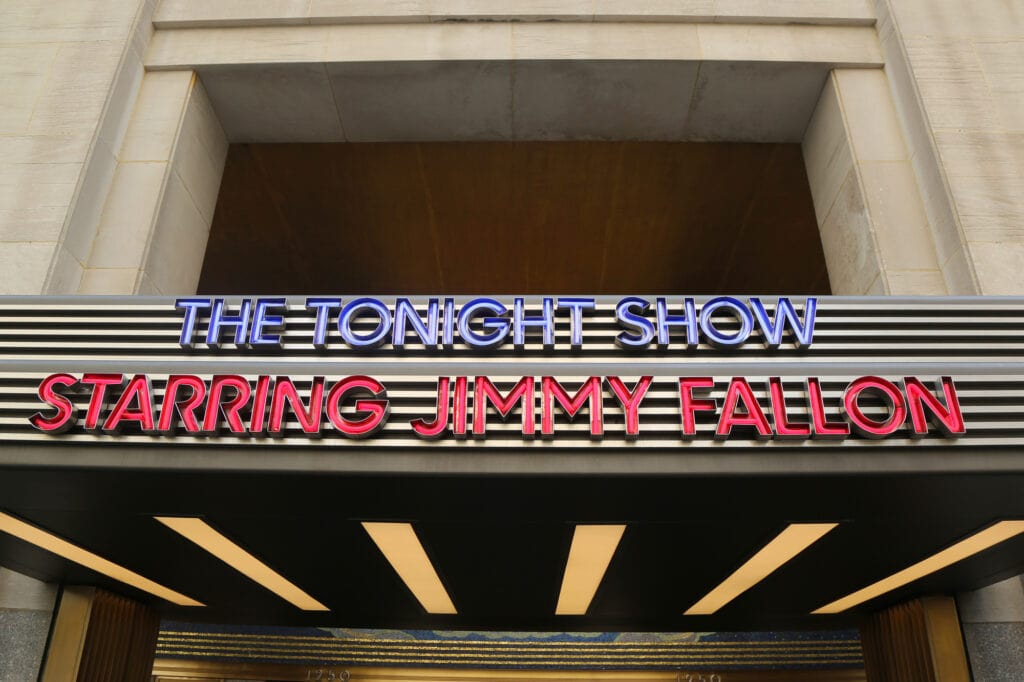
(116, 116)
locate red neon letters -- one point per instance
(358, 406)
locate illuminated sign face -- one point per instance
(723, 322)
(240, 406)
(607, 407)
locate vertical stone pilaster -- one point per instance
(956, 75)
(873, 225)
(68, 69)
(156, 217)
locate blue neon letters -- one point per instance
(551, 322)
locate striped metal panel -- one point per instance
(848, 330)
(120, 640)
(638, 651)
(992, 406)
(979, 341)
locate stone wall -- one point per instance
(66, 101)
(965, 63)
(992, 620)
(26, 607)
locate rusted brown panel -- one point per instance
(515, 217)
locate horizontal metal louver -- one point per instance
(848, 331)
(978, 341)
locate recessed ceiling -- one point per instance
(474, 100)
(500, 544)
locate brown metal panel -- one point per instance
(524, 217)
(120, 642)
(917, 641)
(143, 645)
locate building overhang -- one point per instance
(708, 478)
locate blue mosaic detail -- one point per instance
(518, 650)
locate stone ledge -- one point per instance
(234, 13)
(835, 46)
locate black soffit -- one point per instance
(500, 543)
(694, 510)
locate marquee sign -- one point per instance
(575, 372)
